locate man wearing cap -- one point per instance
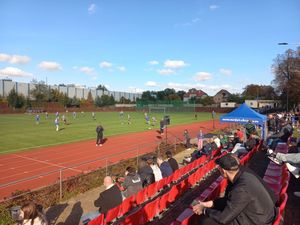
(246, 200)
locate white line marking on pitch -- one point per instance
(50, 164)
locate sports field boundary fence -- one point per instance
(59, 176)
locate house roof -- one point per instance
(197, 93)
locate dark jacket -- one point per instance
(284, 134)
(132, 184)
(147, 175)
(173, 163)
(166, 169)
(247, 203)
(109, 199)
(99, 130)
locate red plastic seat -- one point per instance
(141, 196)
(282, 202)
(151, 210)
(192, 179)
(184, 185)
(127, 205)
(174, 192)
(152, 190)
(176, 175)
(161, 183)
(135, 218)
(113, 214)
(97, 221)
(164, 202)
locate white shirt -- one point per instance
(156, 172)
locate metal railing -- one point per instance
(58, 176)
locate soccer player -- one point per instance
(37, 118)
(56, 122)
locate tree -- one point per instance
(237, 98)
(101, 87)
(104, 100)
(286, 68)
(208, 100)
(90, 97)
(255, 91)
(181, 94)
(14, 100)
(40, 91)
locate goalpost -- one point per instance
(157, 109)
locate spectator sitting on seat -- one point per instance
(285, 132)
(251, 142)
(165, 168)
(109, 198)
(31, 214)
(249, 128)
(132, 182)
(145, 172)
(217, 141)
(240, 134)
(293, 160)
(173, 163)
(246, 200)
(152, 162)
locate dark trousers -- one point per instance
(99, 139)
(205, 220)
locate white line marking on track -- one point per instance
(47, 163)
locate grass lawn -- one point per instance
(20, 132)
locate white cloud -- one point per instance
(87, 70)
(14, 59)
(174, 64)
(14, 72)
(151, 84)
(166, 72)
(92, 8)
(226, 72)
(50, 66)
(213, 7)
(187, 24)
(105, 64)
(202, 76)
(122, 68)
(153, 62)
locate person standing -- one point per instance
(187, 139)
(162, 126)
(56, 122)
(93, 116)
(200, 140)
(99, 131)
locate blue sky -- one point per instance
(137, 45)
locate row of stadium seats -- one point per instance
(277, 178)
(154, 199)
(216, 188)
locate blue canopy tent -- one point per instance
(243, 114)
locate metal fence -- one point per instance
(58, 176)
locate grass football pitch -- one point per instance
(21, 132)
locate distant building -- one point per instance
(259, 104)
(221, 96)
(228, 105)
(194, 93)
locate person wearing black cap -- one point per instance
(246, 199)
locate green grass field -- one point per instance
(20, 132)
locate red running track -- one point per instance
(40, 167)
